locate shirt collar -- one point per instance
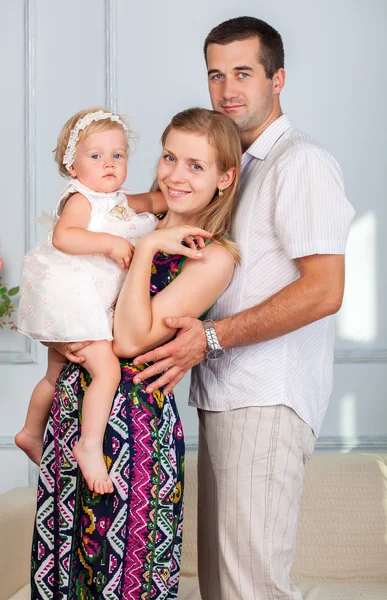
(261, 147)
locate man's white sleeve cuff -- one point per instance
(300, 249)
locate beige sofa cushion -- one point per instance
(341, 590)
(24, 594)
(342, 533)
(189, 554)
(17, 512)
(189, 590)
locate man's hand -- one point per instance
(174, 359)
(70, 350)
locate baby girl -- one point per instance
(71, 280)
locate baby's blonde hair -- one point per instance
(95, 126)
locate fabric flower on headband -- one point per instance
(69, 155)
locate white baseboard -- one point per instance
(365, 443)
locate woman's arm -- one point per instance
(139, 322)
(71, 236)
(152, 202)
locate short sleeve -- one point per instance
(69, 190)
(312, 214)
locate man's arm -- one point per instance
(316, 294)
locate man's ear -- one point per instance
(227, 178)
(279, 78)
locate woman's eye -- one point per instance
(196, 167)
(95, 156)
(168, 158)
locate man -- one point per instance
(263, 390)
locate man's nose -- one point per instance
(229, 89)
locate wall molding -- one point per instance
(362, 443)
(111, 55)
(28, 356)
(33, 474)
(365, 443)
(361, 356)
(7, 443)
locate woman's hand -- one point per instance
(169, 240)
(68, 350)
(121, 251)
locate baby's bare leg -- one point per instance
(30, 438)
(105, 371)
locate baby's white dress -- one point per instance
(69, 298)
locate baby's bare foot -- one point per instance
(90, 460)
(31, 444)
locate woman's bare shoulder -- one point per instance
(216, 264)
(214, 254)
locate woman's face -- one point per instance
(187, 172)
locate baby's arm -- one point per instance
(70, 233)
(72, 237)
(152, 202)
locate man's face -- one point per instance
(238, 85)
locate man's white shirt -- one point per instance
(291, 203)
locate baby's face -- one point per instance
(101, 160)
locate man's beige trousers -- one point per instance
(250, 477)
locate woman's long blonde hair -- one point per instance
(223, 137)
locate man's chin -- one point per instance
(239, 120)
(242, 121)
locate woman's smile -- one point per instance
(176, 193)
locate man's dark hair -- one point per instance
(271, 55)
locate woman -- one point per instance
(128, 544)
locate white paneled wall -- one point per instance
(145, 60)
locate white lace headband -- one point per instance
(69, 155)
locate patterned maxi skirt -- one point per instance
(124, 545)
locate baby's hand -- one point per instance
(121, 251)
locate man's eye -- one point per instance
(117, 155)
(242, 75)
(217, 77)
(95, 156)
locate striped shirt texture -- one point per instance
(291, 203)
